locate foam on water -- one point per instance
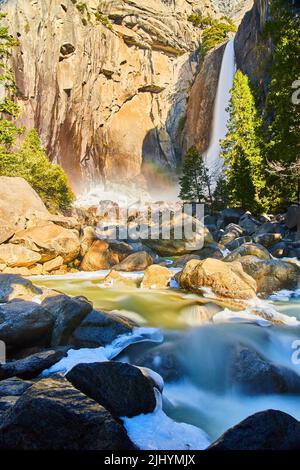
(104, 353)
(156, 431)
(285, 295)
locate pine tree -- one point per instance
(241, 148)
(9, 109)
(195, 183)
(283, 133)
(48, 180)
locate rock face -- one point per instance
(131, 71)
(267, 430)
(201, 103)
(225, 279)
(253, 50)
(54, 404)
(121, 388)
(103, 78)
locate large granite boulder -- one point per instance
(138, 261)
(31, 366)
(121, 388)
(224, 279)
(68, 313)
(53, 415)
(266, 430)
(50, 241)
(16, 287)
(24, 324)
(18, 256)
(156, 277)
(252, 374)
(100, 328)
(271, 275)
(18, 201)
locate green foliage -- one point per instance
(195, 181)
(216, 34)
(100, 18)
(201, 21)
(32, 164)
(8, 107)
(283, 134)
(241, 149)
(215, 31)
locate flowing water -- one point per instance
(204, 396)
(213, 160)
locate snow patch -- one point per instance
(104, 353)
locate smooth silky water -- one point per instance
(204, 396)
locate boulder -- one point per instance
(17, 201)
(280, 250)
(121, 388)
(6, 231)
(249, 224)
(19, 271)
(67, 313)
(266, 430)
(162, 360)
(138, 261)
(292, 218)
(252, 374)
(53, 264)
(229, 216)
(116, 280)
(156, 277)
(50, 241)
(18, 256)
(174, 241)
(232, 231)
(268, 239)
(31, 366)
(99, 256)
(24, 324)
(13, 387)
(237, 242)
(87, 238)
(15, 287)
(247, 249)
(53, 415)
(182, 260)
(271, 275)
(225, 279)
(100, 328)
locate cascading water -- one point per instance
(220, 118)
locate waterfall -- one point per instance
(220, 117)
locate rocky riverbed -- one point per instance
(104, 337)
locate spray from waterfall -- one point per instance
(214, 162)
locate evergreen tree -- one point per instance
(9, 110)
(48, 180)
(283, 133)
(195, 183)
(241, 149)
